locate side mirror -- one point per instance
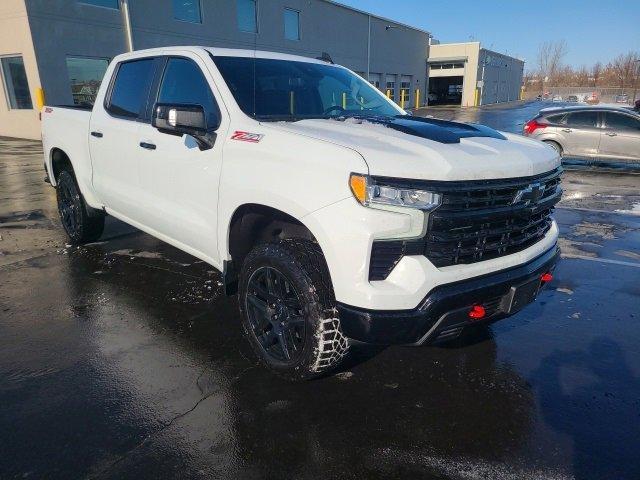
(180, 119)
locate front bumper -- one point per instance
(443, 313)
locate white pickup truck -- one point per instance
(335, 215)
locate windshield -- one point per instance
(268, 89)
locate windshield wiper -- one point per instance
(372, 117)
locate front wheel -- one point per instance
(288, 309)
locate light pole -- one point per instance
(635, 82)
(126, 23)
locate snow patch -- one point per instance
(127, 252)
(635, 210)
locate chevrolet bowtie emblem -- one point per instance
(528, 195)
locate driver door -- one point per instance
(178, 178)
(621, 139)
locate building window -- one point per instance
(187, 11)
(291, 24)
(405, 89)
(445, 66)
(390, 90)
(115, 4)
(15, 82)
(85, 76)
(247, 16)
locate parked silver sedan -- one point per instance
(589, 131)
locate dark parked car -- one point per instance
(572, 99)
(624, 98)
(602, 132)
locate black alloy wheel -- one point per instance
(82, 223)
(69, 206)
(275, 312)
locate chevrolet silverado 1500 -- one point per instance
(333, 214)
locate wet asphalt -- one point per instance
(122, 359)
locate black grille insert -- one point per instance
(477, 220)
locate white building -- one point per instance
(467, 74)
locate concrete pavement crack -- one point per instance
(166, 425)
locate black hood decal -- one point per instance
(440, 130)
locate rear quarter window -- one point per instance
(555, 119)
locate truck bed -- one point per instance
(67, 129)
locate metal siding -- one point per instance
(65, 27)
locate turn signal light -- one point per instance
(477, 312)
(546, 277)
(358, 184)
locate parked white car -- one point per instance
(333, 214)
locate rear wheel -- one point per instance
(82, 223)
(287, 306)
(555, 145)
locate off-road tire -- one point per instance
(87, 223)
(304, 266)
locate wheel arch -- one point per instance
(550, 141)
(58, 159)
(254, 223)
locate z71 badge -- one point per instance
(247, 137)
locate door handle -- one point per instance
(568, 130)
(97, 134)
(612, 134)
(147, 145)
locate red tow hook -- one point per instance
(477, 312)
(546, 277)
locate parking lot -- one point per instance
(123, 359)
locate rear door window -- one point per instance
(620, 121)
(583, 119)
(131, 88)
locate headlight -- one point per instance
(369, 192)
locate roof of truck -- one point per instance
(238, 52)
(221, 52)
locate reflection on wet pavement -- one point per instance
(122, 359)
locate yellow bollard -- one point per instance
(402, 98)
(389, 94)
(344, 100)
(476, 97)
(40, 98)
(417, 98)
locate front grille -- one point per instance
(477, 220)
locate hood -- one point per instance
(436, 151)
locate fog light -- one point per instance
(477, 312)
(546, 277)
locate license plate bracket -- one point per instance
(521, 295)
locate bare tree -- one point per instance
(596, 73)
(582, 77)
(623, 67)
(550, 57)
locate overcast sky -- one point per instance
(595, 30)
